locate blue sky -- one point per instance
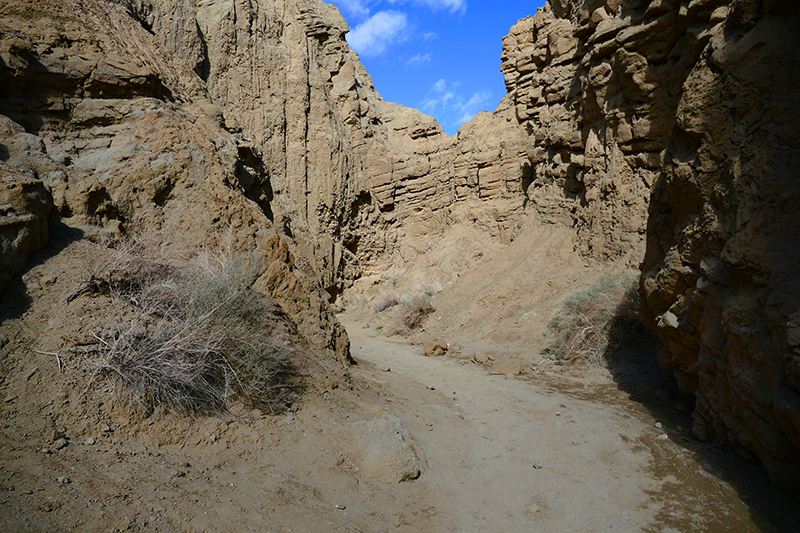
(439, 56)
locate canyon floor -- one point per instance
(554, 450)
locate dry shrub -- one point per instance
(597, 321)
(199, 339)
(131, 268)
(410, 315)
(384, 302)
(430, 289)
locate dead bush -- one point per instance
(199, 339)
(430, 289)
(131, 268)
(593, 322)
(384, 302)
(410, 314)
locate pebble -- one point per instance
(429, 387)
(663, 436)
(63, 480)
(46, 450)
(341, 507)
(59, 443)
(3, 340)
(387, 369)
(90, 441)
(658, 425)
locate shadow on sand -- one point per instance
(636, 372)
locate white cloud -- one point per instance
(357, 8)
(443, 99)
(452, 6)
(374, 35)
(419, 60)
(473, 106)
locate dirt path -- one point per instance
(513, 455)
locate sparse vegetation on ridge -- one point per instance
(194, 339)
(596, 321)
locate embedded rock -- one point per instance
(24, 207)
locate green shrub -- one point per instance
(199, 339)
(597, 321)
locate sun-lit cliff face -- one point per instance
(659, 130)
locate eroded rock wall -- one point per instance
(356, 181)
(25, 205)
(720, 278)
(596, 84)
(125, 136)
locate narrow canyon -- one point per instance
(150, 149)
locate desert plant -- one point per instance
(410, 314)
(199, 339)
(131, 268)
(596, 321)
(384, 302)
(430, 289)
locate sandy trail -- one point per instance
(515, 455)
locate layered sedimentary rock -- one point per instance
(195, 117)
(694, 101)
(720, 278)
(356, 180)
(596, 84)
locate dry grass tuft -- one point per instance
(410, 315)
(599, 320)
(384, 302)
(199, 339)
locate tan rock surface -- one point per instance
(255, 118)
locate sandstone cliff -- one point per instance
(720, 282)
